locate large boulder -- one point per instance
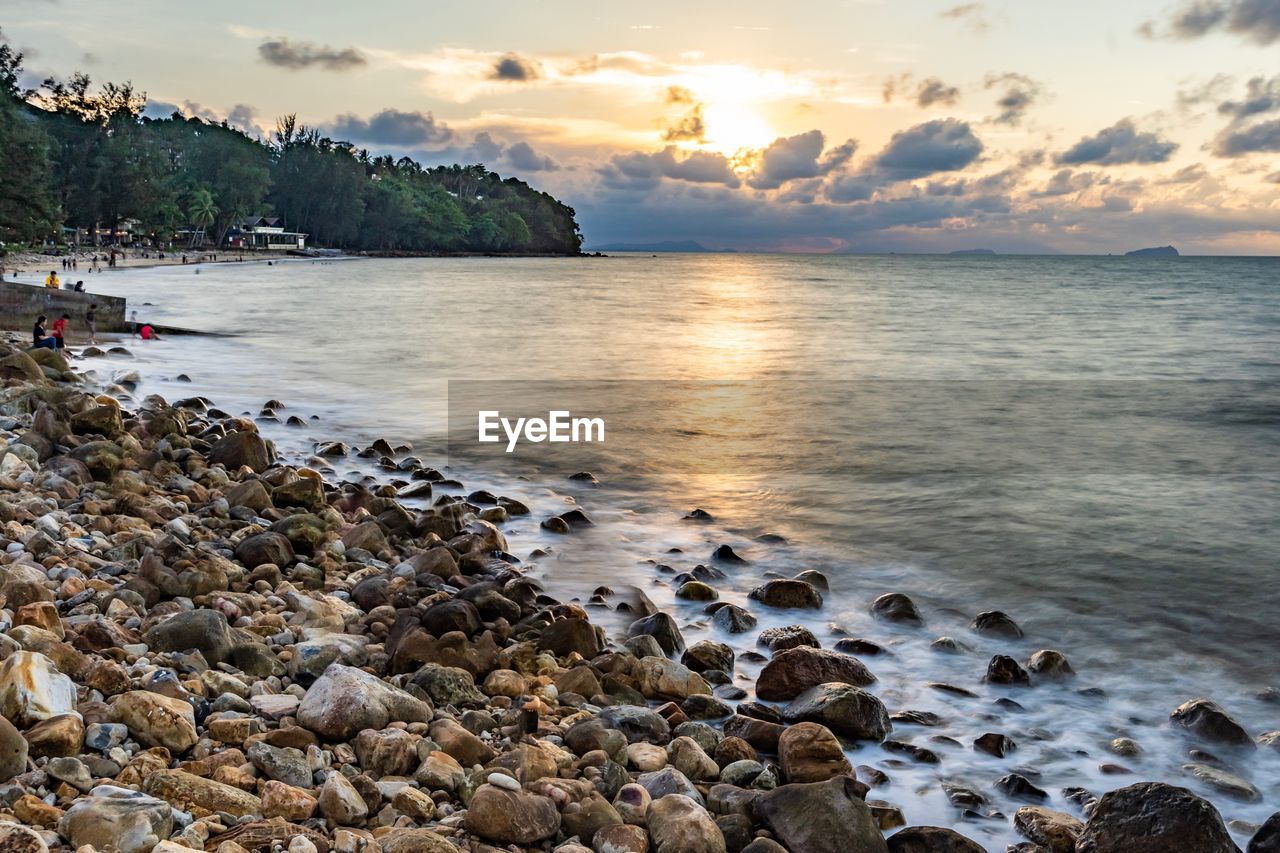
(113, 818)
(793, 671)
(157, 720)
(677, 824)
(1205, 719)
(821, 817)
(263, 548)
(809, 752)
(511, 817)
(346, 700)
(1267, 838)
(788, 594)
(32, 689)
(242, 448)
(932, 839)
(203, 630)
(847, 710)
(1152, 817)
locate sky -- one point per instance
(1093, 126)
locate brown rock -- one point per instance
(809, 752)
(793, 671)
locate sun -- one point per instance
(731, 99)
(732, 127)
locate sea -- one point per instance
(1089, 444)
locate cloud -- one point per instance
(1261, 96)
(1067, 182)
(243, 117)
(795, 157)
(690, 127)
(927, 93)
(522, 156)
(972, 15)
(638, 171)
(1203, 92)
(1263, 137)
(1020, 94)
(515, 69)
(1192, 174)
(296, 56)
(1119, 144)
(1257, 21)
(942, 145)
(391, 127)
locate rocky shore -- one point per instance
(205, 648)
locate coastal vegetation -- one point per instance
(88, 159)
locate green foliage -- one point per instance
(72, 155)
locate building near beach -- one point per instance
(264, 232)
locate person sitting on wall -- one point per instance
(79, 287)
(51, 280)
(38, 337)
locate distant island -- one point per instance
(1154, 252)
(973, 252)
(662, 246)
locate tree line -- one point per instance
(70, 155)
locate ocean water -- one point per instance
(1088, 444)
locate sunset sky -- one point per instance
(816, 125)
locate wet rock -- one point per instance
(1152, 817)
(932, 839)
(661, 678)
(1055, 831)
(117, 819)
(668, 780)
(821, 817)
(568, 636)
(346, 700)
(761, 734)
(995, 623)
(809, 752)
(1227, 783)
(790, 594)
(678, 824)
(896, 607)
(239, 449)
(789, 637)
(1267, 838)
(847, 710)
(1019, 787)
(32, 689)
(733, 619)
(994, 743)
(706, 655)
(1005, 670)
(793, 671)
(662, 627)
(1048, 665)
(726, 554)
(511, 817)
(1208, 721)
(697, 591)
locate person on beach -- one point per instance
(79, 288)
(60, 332)
(91, 322)
(51, 280)
(133, 322)
(149, 334)
(41, 340)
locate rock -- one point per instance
(99, 420)
(263, 548)
(793, 671)
(1005, 670)
(685, 755)
(390, 752)
(250, 493)
(283, 764)
(1267, 838)
(414, 841)
(13, 752)
(788, 637)
(994, 743)
(157, 720)
(847, 710)
(932, 839)
(821, 817)
(200, 796)
(32, 689)
(1055, 831)
(588, 816)
(621, 838)
(788, 594)
(677, 824)
(340, 802)
(661, 678)
(241, 448)
(511, 817)
(995, 623)
(60, 735)
(1048, 665)
(809, 752)
(896, 607)
(1019, 787)
(346, 700)
(461, 745)
(1208, 721)
(448, 685)
(636, 724)
(697, 591)
(1228, 783)
(668, 780)
(414, 803)
(733, 619)
(568, 636)
(15, 838)
(662, 627)
(203, 630)
(1152, 817)
(117, 819)
(708, 654)
(286, 801)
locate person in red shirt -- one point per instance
(60, 331)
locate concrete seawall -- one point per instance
(20, 304)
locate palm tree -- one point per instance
(203, 212)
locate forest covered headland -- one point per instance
(80, 163)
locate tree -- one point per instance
(28, 210)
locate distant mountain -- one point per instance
(664, 246)
(1154, 252)
(973, 252)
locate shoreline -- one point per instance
(431, 602)
(37, 264)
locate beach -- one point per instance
(533, 660)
